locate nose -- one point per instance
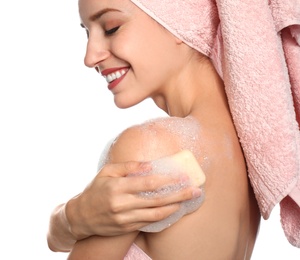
(96, 52)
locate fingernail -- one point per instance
(183, 178)
(197, 193)
(146, 167)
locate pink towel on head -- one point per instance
(255, 47)
(262, 82)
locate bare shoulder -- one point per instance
(155, 138)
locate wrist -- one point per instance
(59, 237)
(74, 219)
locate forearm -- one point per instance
(60, 238)
(98, 248)
(104, 210)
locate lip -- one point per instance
(112, 70)
(114, 83)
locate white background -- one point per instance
(55, 117)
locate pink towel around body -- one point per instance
(136, 253)
(255, 47)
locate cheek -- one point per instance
(124, 42)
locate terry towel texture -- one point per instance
(136, 253)
(255, 47)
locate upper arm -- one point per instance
(144, 142)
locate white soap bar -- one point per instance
(186, 163)
(180, 163)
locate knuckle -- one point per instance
(124, 224)
(187, 193)
(135, 167)
(149, 183)
(160, 201)
(130, 166)
(119, 221)
(158, 214)
(115, 206)
(128, 227)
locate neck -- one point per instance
(197, 90)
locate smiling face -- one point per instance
(138, 57)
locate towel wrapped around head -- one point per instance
(255, 47)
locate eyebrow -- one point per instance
(99, 14)
(102, 12)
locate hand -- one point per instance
(110, 204)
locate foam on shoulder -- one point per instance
(185, 134)
(178, 164)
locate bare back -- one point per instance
(225, 226)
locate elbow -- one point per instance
(54, 247)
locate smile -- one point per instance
(115, 75)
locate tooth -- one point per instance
(109, 78)
(113, 75)
(118, 74)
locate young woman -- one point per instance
(154, 63)
(141, 59)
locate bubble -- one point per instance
(167, 168)
(186, 131)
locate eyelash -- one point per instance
(112, 31)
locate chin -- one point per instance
(123, 104)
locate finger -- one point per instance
(143, 217)
(124, 169)
(171, 198)
(131, 203)
(153, 182)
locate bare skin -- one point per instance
(96, 211)
(225, 226)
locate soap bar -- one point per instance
(186, 163)
(183, 162)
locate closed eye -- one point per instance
(112, 31)
(87, 32)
